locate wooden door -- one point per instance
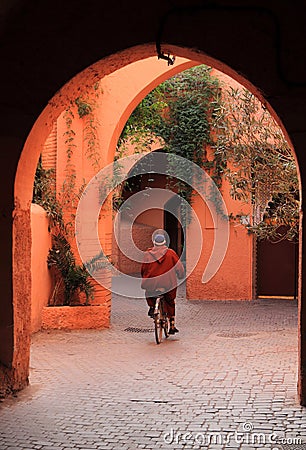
(277, 268)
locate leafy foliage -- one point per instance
(190, 113)
(44, 194)
(84, 108)
(177, 113)
(75, 277)
(140, 128)
(260, 165)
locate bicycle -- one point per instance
(161, 320)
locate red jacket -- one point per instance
(159, 270)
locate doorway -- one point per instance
(277, 268)
(173, 226)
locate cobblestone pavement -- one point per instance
(226, 381)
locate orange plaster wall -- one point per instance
(41, 280)
(74, 165)
(76, 161)
(124, 89)
(114, 100)
(233, 281)
(75, 317)
(119, 93)
(25, 175)
(84, 167)
(144, 226)
(142, 236)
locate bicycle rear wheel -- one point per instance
(158, 327)
(166, 326)
(158, 322)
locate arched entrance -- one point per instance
(168, 217)
(25, 175)
(147, 219)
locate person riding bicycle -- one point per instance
(159, 269)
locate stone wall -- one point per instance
(41, 278)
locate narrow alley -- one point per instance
(226, 381)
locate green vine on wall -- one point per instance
(70, 277)
(84, 108)
(87, 110)
(44, 194)
(178, 113)
(260, 165)
(193, 112)
(67, 194)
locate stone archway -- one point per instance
(18, 348)
(17, 341)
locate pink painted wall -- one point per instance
(41, 280)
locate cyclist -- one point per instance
(158, 270)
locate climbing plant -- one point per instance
(69, 276)
(87, 110)
(177, 113)
(44, 194)
(260, 165)
(230, 134)
(73, 277)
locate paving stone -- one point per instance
(111, 389)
